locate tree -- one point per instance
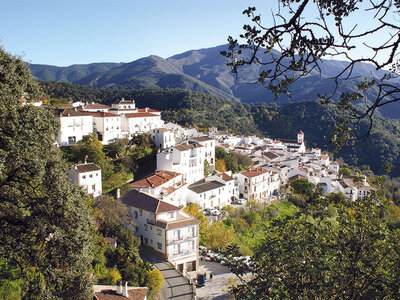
(220, 165)
(354, 256)
(218, 236)
(302, 187)
(306, 32)
(194, 210)
(46, 225)
(206, 168)
(155, 282)
(111, 214)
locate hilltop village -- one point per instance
(186, 173)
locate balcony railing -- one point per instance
(151, 221)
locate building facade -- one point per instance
(165, 229)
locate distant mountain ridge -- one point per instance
(205, 70)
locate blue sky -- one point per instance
(65, 32)
(73, 32)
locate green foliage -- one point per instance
(218, 236)
(354, 255)
(345, 171)
(155, 283)
(206, 168)
(194, 210)
(46, 224)
(302, 187)
(233, 161)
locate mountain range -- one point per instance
(205, 70)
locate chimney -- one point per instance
(86, 159)
(119, 287)
(125, 289)
(147, 109)
(118, 195)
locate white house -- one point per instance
(74, 125)
(163, 138)
(186, 158)
(165, 229)
(140, 122)
(209, 194)
(209, 149)
(95, 107)
(108, 126)
(257, 183)
(164, 185)
(88, 176)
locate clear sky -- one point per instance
(66, 32)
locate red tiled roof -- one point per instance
(86, 168)
(140, 115)
(202, 138)
(154, 180)
(100, 114)
(254, 172)
(134, 293)
(141, 110)
(225, 176)
(96, 106)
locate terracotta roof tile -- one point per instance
(155, 180)
(140, 115)
(86, 168)
(254, 172)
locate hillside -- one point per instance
(205, 70)
(202, 110)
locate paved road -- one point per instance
(175, 285)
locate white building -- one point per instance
(209, 149)
(95, 107)
(186, 158)
(214, 192)
(140, 122)
(163, 138)
(164, 185)
(165, 229)
(88, 176)
(257, 183)
(74, 125)
(108, 126)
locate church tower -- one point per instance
(300, 137)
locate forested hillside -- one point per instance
(201, 110)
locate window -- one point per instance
(84, 177)
(136, 214)
(140, 212)
(151, 241)
(146, 241)
(93, 187)
(146, 227)
(159, 246)
(97, 174)
(91, 176)
(159, 232)
(171, 215)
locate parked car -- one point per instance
(215, 212)
(240, 201)
(207, 212)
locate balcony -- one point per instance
(151, 221)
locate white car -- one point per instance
(215, 212)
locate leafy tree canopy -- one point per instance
(46, 226)
(353, 255)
